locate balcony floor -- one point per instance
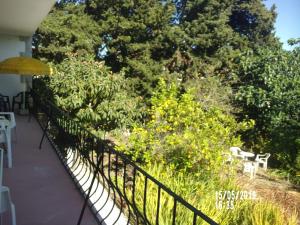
(41, 189)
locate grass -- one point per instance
(202, 194)
(285, 175)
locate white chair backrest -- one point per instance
(263, 156)
(235, 150)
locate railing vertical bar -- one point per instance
(133, 185)
(88, 194)
(133, 192)
(195, 219)
(174, 212)
(116, 170)
(109, 164)
(124, 179)
(158, 205)
(145, 196)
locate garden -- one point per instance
(173, 85)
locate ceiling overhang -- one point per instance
(22, 17)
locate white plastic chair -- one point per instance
(12, 120)
(2, 131)
(5, 137)
(236, 151)
(5, 199)
(263, 159)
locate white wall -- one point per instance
(11, 46)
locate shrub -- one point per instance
(269, 93)
(89, 91)
(182, 133)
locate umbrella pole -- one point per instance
(23, 110)
(24, 99)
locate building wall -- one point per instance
(11, 46)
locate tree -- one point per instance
(133, 33)
(269, 93)
(253, 21)
(90, 92)
(181, 39)
(218, 31)
(67, 29)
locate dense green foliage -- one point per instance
(135, 36)
(67, 29)
(89, 91)
(217, 31)
(212, 92)
(269, 93)
(183, 134)
(151, 39)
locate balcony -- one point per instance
(41, 190)
(77, 178)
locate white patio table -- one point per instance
(9, 118)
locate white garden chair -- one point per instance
(5, 199)
(263, 159)
(236, 151)
(2, 131)
(5, 138)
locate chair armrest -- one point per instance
(262, 157)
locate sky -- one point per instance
(288, 19)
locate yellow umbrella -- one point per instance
(25, 66)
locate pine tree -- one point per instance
(217, 31)
(210, 38)
(252, 20)
(146, 39)
(67, 29)
(136, 38)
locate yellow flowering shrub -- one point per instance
(182, 133)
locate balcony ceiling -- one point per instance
(22, 17)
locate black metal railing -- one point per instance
(115, 188)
